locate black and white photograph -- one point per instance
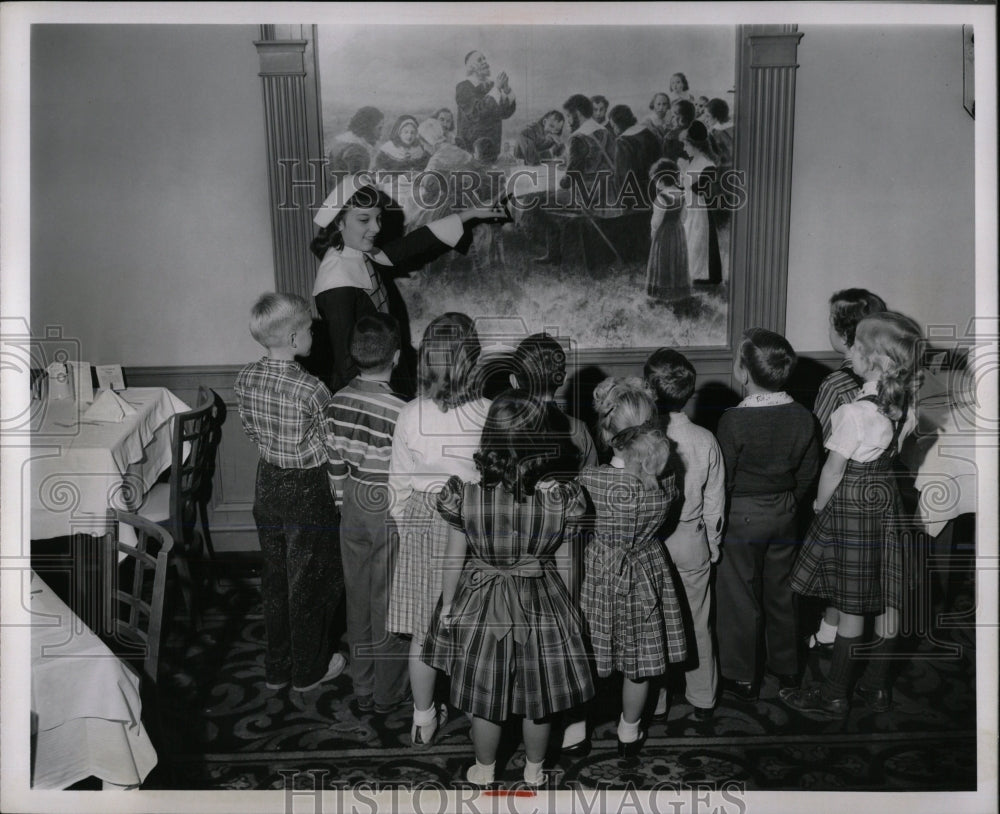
(480, 407)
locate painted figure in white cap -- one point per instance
(355, 276)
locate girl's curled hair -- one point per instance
(890, 342)
(646, 452)
(519, 446)
(620, 403)
(449, 351)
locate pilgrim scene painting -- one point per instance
(612, 147)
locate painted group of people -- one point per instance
(674, 163)
(482, 105)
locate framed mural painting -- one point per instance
(599, 253)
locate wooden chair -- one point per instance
(135, 586)
(135, 581)
(204, 498)
(175, 505)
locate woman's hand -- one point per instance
(497, 213)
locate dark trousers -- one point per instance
(302, 581)
(368, 543)
(753, 594)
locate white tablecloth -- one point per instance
(79, 469)
(85, 703)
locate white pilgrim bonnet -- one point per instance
(336, 200)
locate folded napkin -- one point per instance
(108, 406)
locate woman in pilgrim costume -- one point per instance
(403, 152)
(355, 277)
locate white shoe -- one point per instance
(336, 666)
(422, 735)
(480, 775)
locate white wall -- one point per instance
(882, 184)
(150, 229)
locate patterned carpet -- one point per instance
(225, 730)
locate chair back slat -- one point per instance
(134, 606)
(194, 430)
(218, 418)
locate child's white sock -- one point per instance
(826, 633)
(482, 773)
(627, 732)
(661, 702)
(424, 717)
(533, 774)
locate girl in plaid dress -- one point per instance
(435, 437)
(627, 597)
(505, 630)
(853, 553)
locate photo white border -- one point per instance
(15, 22)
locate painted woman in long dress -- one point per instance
(667, 270)
(704, 260)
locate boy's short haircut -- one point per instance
(374, 340)
(849, 307)
(274, 316)
(768, 358)
(672, 377)
(542, 361)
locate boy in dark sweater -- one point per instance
(771, 450)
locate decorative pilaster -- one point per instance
(294, 150)
(764, 133)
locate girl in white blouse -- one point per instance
(436, 435)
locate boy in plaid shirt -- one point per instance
(362, 421)
(283, 412)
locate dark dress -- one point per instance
(628, 597)
(853, 553)
(667, 270)
(515, 644)
(343, 306)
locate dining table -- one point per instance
(84, 463)
(86, 710)
(81, 466)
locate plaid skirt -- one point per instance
(853, 552)
(631, 608)
(494, 677)
(416, 582)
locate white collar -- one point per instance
(390, 148)
(587, 126)
(346, 268)
(379, 257)
(634, 130)
(868, 389)
(766, 400)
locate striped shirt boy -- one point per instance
(362, 418)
